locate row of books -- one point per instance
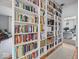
(50, 10)
(50, 28)
(42, 43)
(42, 50)
(51, 22)
(21, 4)
(26, 28)
(50, 34)
(56, 33)
(42, 13)
(34, 55)
(55, 6)
(59, 40)
(57, 14)
(42, 21)
(34, 1)
(53, 12)
(42, 35)
(24, 49)
(24, 18)
(50, 40)
(42, 4)
(50, 46)
(56, 42)
(25, 38)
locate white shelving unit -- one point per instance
(43, 26)
(52, 9)
(35, 28)
(26, 22)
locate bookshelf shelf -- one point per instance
(43, 54)
(50, 13)
(50, 49)
(26, 23)
(30, 52)
(50, 18)
(42, 9)
(31, 3)
(25, 33)
(49, 36)
(50, 6)
(25, 11)
(50, 25)
(23, 43)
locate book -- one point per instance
(33, 19)
(24, 38)
(36, 19)
(16, 16)
(29, 28)
(20, 28)
(35, 36)
(26, 28)
(18, 39)
(33, 55)
(24, 48)
(16, 29)
(25, 19)
(19, 51)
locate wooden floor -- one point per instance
(75, 54)
(45, 56)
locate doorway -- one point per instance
(69, 30)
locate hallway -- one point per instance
(64, 52)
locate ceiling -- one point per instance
(66, 2)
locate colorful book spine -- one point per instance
(18, 39)
(19, 51)
(25, 28)
(23, 49)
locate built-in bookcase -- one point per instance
(37, 28)
(26, 29)
(42, 27)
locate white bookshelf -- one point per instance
(39, 11)
(26, 8)
(53, 16)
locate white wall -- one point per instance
(5, 10)
(70, 10)
(4, 22)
